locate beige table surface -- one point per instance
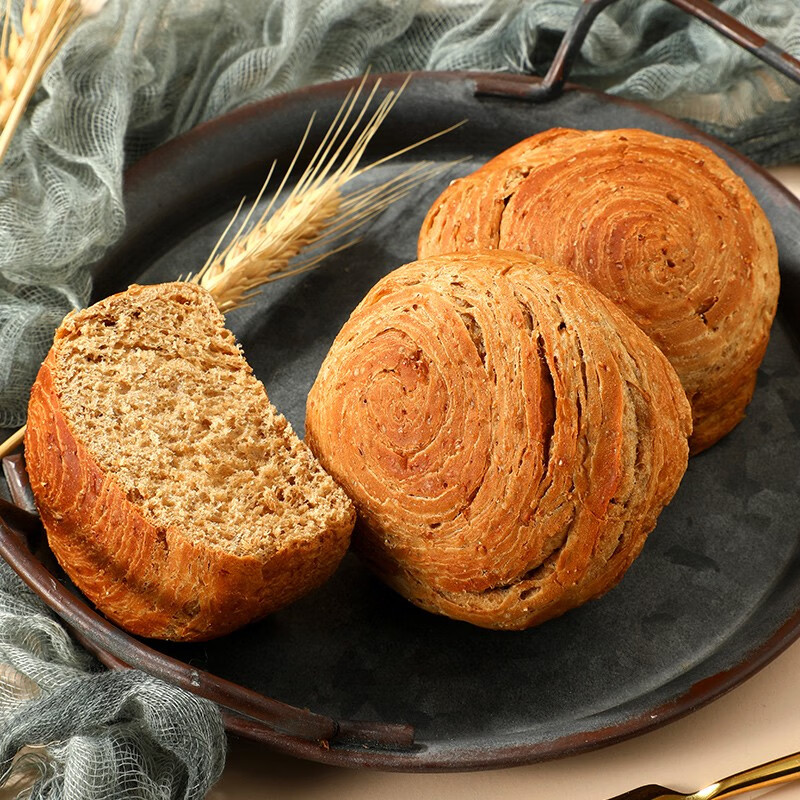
(756, 722)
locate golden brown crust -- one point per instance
(507, 435)
(157, 582)
(661, 226)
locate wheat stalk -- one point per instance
(26, 53)
(13, 442)
(316, 214)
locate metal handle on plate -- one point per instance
(553, 82)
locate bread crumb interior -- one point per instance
(156, 387)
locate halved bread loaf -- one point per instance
(508, 436)
(173, 493)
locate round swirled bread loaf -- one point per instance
(507, 434)
(661, 226)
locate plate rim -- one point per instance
(52, 591)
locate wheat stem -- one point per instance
(13, 442)
(316, 213)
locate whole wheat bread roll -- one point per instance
(661, 226)
(507, 435)
(173, 494)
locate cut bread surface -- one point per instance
(157, 387)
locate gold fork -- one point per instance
(781, 770)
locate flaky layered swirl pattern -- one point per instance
(661, 226)
(507, 435)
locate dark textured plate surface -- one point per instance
(713, 597)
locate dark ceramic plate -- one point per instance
(714, 596)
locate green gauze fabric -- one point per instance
(142, 71)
